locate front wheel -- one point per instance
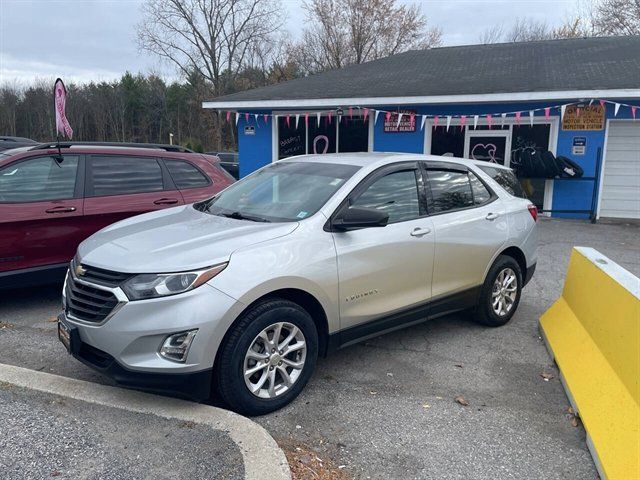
(267, 358)
(500, 294)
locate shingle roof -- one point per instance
(605, 63)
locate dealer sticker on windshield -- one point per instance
(302, 214)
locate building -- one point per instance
(576, 98)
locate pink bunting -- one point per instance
(366, 115)
(387, 116)
(518, 115)
(329, 116)
(288, 120)
(306, 119)
(547, 113)
(350, 113)
(489, 120)
(435, 121)
(412, 119)
(602, 102)
(228, 116)
(463, 120)
(577, 111)
(246, 117)
(633, 111)
(266, 118)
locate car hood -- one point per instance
(173, 240)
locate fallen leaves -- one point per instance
(306, 464)
(462, 401)
(4, 325)
(547, 376)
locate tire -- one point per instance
(485, 312)
(235, 357)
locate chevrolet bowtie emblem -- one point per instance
(80, 271)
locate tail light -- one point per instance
(533, 210)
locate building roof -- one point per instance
(571, 68)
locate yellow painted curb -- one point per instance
(593, 333)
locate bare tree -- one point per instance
(616, 17)
(494, 34)
(343, 32)
(527, 30)
(214, 38)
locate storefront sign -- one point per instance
(407, 122)
(583, 117)
(249, 130)
(579, 146)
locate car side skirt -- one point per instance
(35, 276)
(430, 310)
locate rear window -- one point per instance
(506, 179)
(186, 175)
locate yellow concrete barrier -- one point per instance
(593, 333)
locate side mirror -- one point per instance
(354, 218)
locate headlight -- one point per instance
(151, 285)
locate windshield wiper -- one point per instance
(242, 216)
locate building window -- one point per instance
(346, 135)
(447, 142)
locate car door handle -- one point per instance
(61, 210)
(166, 201)
(418, 232)
(491, 216)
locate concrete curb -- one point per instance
(262, 457)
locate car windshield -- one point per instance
(282, 192)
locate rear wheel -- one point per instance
(500, 294)
(267, 358)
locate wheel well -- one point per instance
(311, 305)
(518, 256)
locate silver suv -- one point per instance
(243, 292)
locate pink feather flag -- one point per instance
(60, 102)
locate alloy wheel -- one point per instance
(504, 292)
(275, 360)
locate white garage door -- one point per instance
(620, 195)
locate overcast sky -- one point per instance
(86, 40)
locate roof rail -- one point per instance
(156, 146)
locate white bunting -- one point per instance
(375, 117)
(399, 119)
(531, 114)
(448, 122)
(424, 119)
(562, 109)
(475, 121)
(339, 118)
(237, 118)
(591, 101)
(503, 115)
(318, 115)
(615, 109)
(297, 118)
(256, 115)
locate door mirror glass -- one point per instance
(354, 218)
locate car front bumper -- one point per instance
(126, 346)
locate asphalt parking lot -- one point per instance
(385, 408)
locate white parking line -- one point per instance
(263, 459)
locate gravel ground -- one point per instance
(47, 436)
(385, 408)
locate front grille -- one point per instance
(88, 303)
(101, 276)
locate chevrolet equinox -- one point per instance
(240, 293)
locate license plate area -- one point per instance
(67, 335)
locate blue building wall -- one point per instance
(568, 194)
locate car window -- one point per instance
(480, 193)
(39, 179)
(395, 194)
(281, 192)
(120, 175)
(506, 179)
(186, 175)
(450, 190)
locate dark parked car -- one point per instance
(228, 161)
(51, 199)
(14, 142)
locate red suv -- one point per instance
(51, 199)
